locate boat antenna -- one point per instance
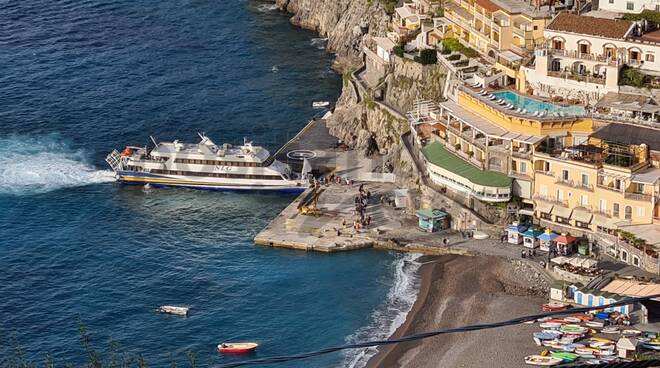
(153, 140)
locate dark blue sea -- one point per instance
(79, 78)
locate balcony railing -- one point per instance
(466, 157)
(638, 197)
(543, 172)
(550, 199)
(574, 184)
(603, 212)
(583, 56)
(527, 155)
(577, 77)
(613, 189)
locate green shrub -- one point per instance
(649, 15)
(427, 57)
(398, 50)
(632, 77)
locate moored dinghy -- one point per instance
(172, 309)
(237, 347)
(541, 360)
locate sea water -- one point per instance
(80, 78)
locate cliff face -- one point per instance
(343, 22)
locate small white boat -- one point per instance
(171, 309)
(541, 360)
(319, 104)
(610, 330)
(594, 324)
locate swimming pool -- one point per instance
(533, 105)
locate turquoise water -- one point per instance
(82, 77)
(533, 105)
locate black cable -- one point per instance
(635, 364)
(424, 335)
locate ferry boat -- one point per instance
(205, 165)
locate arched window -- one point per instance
(628, 213)
(624, 255)
(584, 47)
(555, 66)
(558, 43)
(635, 261)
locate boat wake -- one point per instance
(391, 315)
(264, 8)
(319, 43)
(30, 165)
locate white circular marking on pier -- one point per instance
(300, 154)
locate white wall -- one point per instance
(597, 43)
(620, 6)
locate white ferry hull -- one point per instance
(208, 183)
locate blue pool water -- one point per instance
(83, 77)
(533, 105)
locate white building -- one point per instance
(583, 55)
(628, 6)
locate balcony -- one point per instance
(577, 77)
(638, 197)
(613, 189)
(602, 212)
(525, 155)
(572, 54)
(546, 173)
(550, 199)
(574, 184)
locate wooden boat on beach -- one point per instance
(237, 347)
(541, 360)
(172, 309)
(554, 307)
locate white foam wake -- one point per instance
(390, 316)
(31, 165)
(264, 8)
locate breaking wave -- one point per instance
(319, 43)
(389, 317)
(30, 165)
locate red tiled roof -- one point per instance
(488, 5)
(610, 28)
(565, 239)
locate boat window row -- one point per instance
(214, 162)
(217, 175)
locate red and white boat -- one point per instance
(555, 307)
(237, 347)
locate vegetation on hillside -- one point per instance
(649, 15)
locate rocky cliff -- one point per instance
(343, 22)
(360, 119)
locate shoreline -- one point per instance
(452, 294)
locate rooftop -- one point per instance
(438, 155)
(488, 5)
(580, 24)
(632, 288)
(630, 135)
(628, 102)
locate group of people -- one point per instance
(361, 202)
(332, 178)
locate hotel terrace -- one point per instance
(494, 139)
(583, 56)
(505, 32)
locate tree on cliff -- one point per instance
(427, 56)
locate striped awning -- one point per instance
(544, 207)
(560, 211)
(582, 215)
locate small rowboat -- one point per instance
(555, 307)
(541, 360)
(237, 347)
(565, 357)
(574, 329)
(586, 351)
(171, 309)
(631, 332)
(551, 325)
(610, 330)
(319, 104)
(595, 324)
(572, 319)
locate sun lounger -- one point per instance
(524, 111)
(483, 92)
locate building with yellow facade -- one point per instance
(505, 32)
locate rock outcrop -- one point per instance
(343, 22)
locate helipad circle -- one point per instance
(300, 154)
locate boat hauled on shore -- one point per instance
(205, 165)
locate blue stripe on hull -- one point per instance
(295, 190)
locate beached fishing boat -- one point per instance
(541, 360)
(205, 165)
(595, 324)
(554, 307)
(171, 309)
(551, 325)
(610, 330)
(565, 357)
(237, 347)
